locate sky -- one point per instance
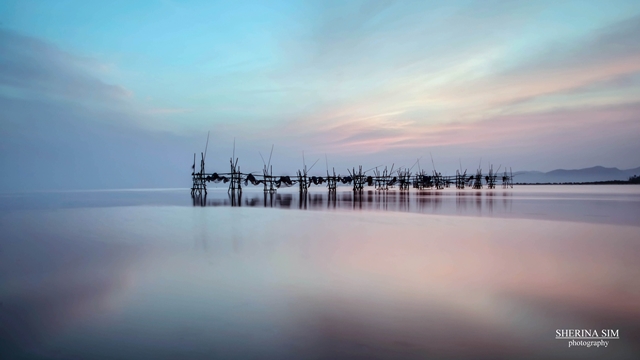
(121, 94)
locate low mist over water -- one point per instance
(159, 275)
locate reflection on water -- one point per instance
(616, 209)
(229, 279)
(227, 283)
(422, 201)
(614, 204)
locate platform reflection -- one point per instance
(420, 202)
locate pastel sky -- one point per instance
(126, 90)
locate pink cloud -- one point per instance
(380, 134)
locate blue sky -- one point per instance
(129, 89)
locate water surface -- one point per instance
(449, 275)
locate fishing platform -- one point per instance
(382, 179)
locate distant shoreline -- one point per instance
(610, 182)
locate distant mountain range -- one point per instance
(596, 173)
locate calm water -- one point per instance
(442, 275)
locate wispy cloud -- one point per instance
(32, 65)
(601, 57)
(555, 91)
(73, 129)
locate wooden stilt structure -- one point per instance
(491, 178)
(358, 179)
(236, 177)
(199, 186)
(381, 180)
(460, 179)
(477, 180)
(269, 185)
(303, 180)
(332, 181)
(267, 175)
(507, 180)
(404, 179)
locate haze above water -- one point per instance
(447, 275)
